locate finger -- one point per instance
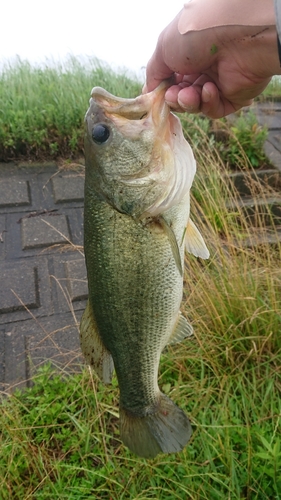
(189, 98)
(156, 70)
(155, 74)
(215, 105)
(162, 64)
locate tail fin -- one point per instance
(167, 430)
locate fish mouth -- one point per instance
(164, 174)
(132, 117)
(151, 106)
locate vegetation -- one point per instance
(42, 112)
(60, 438)
(273, 90)
(42, 109)
(243, 140)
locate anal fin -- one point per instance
(181, 330)
(93, 348)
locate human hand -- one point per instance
(218, 69)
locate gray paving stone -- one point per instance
(47, 273)
(69, 290)
(275, 139)
(19, 287)
(15, 367)
(257, 209)
(246, 184)
(272, 154)
(35, 295)
(14, 192)
(2, 359)
(269, 115)
(271, 122)
(37, 166)
(272, 106)
(77, 279)
(68, 188)
(16, 248)
(267, 237)
(3, 236)
(40, 325)
(76, 224)
(44, 231)
(58, 341)
(24, 346)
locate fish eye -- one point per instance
(100, 133)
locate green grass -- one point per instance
(42, 112)
(273, 90)
(42, 109)
(60, 438)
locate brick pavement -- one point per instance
(43, 286)
(42, 271)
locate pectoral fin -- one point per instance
(194, 242)
(174, 244)
(95, 352)
(182, 330)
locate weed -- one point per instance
(243, 140)
(60, 438)
(42, 109)
(273, 90)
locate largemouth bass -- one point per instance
(139, 171)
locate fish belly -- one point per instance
(135, 291)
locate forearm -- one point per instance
(247, 25)
(277, 6)
(199, 15)
(222, 53)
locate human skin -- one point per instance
(217, 70)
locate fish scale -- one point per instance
(137, 194)
(125, 314)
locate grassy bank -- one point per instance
(42, 112)
(273, 90)
(60, 439)
(42, 109)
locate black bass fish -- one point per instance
(139, 171)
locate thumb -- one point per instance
(156, 72)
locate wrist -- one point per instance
(273, 56)
(257, 47)
(198, 15)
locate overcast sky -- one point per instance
(122, 32)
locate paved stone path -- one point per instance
(43, 286)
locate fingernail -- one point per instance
(206, 96)
(171, 104)
(188, 109)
